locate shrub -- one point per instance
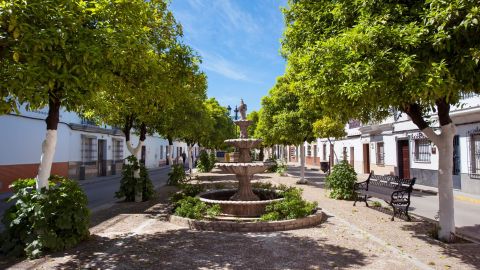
(274, 166)
(340, 182)
(281, 168)
(293, 206)
(206, 162)
(177, 175)
(50, 220)
(192, 207)
(131, 186)
(187, 190)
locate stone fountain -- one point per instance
(244, 201)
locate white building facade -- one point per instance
(397, 147)
(83, 149)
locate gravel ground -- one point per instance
(137, 236)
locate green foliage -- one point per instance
(281, 167)
(131, 186)
(340, 182)
(186, 190)
(205, 162)
(50, 220)
(192, 207)
(177, 175)
(293, 206)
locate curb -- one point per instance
(233, 226)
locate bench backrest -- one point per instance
(390, 181)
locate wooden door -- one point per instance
(403, 159)
(143, 155)
(352, 158)
(366, 158)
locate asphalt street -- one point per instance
(101, 190)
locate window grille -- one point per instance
(475, 156)
(117, 150)
(345, 154)
(309, 151)
(422, 151)
(161, 151)
(380, 153)
(89, 149)
(456, 155)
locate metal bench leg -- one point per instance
(394, 212)
(408, 216)
(356, 199)
(366, 203)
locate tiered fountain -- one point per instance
(244, 201)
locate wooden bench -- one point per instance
(393, 190)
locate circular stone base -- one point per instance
(256, 226)
(240, 208)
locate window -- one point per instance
(475, 156)
(380, 153)
(161, 151)
(309, 150)
(422, 150)
(352, 161)
(324, 158)
(344, 154)
(89, 148)
(117, 149)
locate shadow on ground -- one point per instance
(462, 249)
(185, 249)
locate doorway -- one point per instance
(143, 155)
(366, 158)
(102, 158)
(403, 159)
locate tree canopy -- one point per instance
(360, 59)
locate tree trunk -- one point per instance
(190, 157)
(302, 165)
(50, 142)
(446, 217)
(135, 151)
(444, 142)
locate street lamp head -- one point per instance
(229, 109)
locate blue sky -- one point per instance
(239, 42)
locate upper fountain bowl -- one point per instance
(244, 143)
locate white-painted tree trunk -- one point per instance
(302, 165)
(170, 154)
(134, 152)
(46, 160)
(444, 142)
(189, 158)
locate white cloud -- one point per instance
(220, 65)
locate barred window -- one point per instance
(161, 151)
(475, 156)
(89, 148)
(309, 150)
(117, 150)
(344, 154)
(380, 153)
(422, 150)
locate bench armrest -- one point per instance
(361, 185)
(401, 196)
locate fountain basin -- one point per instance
(249, 168)
(244, 143)
(240, 208)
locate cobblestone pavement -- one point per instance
(137, 236)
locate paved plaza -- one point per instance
(138, 236)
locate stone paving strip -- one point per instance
(138, 236)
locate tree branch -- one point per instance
(415, 112)
(443, 111)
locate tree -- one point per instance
(138, 93)
(284, 121)
(222, 125)
(52, 53)
(358, 59)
